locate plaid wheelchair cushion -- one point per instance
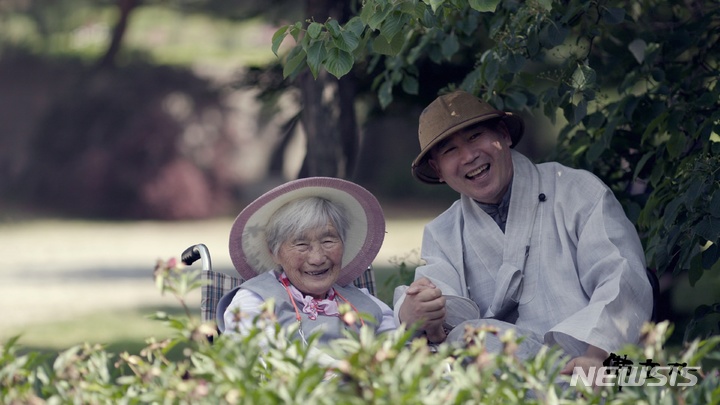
(220, 283)
(366, 280)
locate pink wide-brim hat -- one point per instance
(365, 234)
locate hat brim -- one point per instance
(366, 231)
(422, 170)
(460, 309)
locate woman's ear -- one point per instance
(275, 258)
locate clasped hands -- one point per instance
(424, 303)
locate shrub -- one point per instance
(269, 368)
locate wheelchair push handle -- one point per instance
(195, 252)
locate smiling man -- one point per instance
(543, 249)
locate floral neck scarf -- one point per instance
(312, 306)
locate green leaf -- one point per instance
(347, 41)
(575, 113)
(435, 54)
(333, 28)
(490, 68)
(613, 15)
(714, 205)
(484, 6)
(339, 62)
(295, 31)
(515, 62)
(516, 100)
(450, 45)
(580, 111)
(434, 4)
(533, 43)
(652, 127)
(637, 48)
(671, 211)
(368, 10)
(546, 4)
(410, 84)
(315, 56)
(708, 229)
(647, 216)
(412, 8)
(583, 77)
(594, 120)
(497, 101)
(693, 192)
(392, 48)
(468, 25)
(658, 175)
(641, 164)
(355, 25)
(471, 79)
(385, 93)
(553, 35)
(278, 38)
(706, 100)
(676, 144)
(632, 210)
(696, 269)
(594, 152)
(629, 105)
(710, 256)
(658, 74)
(375, 20)
(393, 24)
(314, 30)
(294, 61)
(497, 23)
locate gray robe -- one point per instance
(569, 270)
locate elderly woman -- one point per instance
(302, 244)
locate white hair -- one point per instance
(294, 218)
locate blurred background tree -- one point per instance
(122, 109)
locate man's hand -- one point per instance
(424, 303)
(593, 357)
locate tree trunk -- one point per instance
(328, 110)
(125, 7)
(320, 120)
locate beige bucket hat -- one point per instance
(450, 113)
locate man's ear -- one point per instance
(505, 132)
(435, 167)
